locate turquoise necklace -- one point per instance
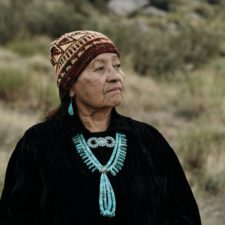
(107, 200)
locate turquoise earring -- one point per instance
(70, 108)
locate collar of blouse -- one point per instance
(117, 123)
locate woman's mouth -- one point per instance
(114, 89)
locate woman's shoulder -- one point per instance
(139, 126)
(43, 130)
(146, 132)
(37, 139)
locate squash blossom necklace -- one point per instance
(107, 199)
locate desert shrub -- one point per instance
(193, 98)
(197, 45)
(123, 35)
(213, 1)
(24, 18)
(194, 145)
(99, 4)
(7, 140)
(155, 55)
(47, 96)
(22, 47)
(12, 19)
(204, 10)
(150, 52)
(200, 94)
(214, 183)
(53, 20)
(14, 84)
(29, 46)
(201, 147)
(40, 64)
(159, 53)
(79, 6)
(39, 91)
(28, 83)
(3, 136)
(44, 93)
(219, 66)
(7, 24)
(161, 4)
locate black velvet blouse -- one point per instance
(47, 183)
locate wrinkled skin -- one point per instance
(100, 85)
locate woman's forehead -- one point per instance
(105, 57)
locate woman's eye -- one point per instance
(100, 68)
(117, 65)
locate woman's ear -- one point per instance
(71, 93)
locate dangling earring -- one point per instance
(70, 108)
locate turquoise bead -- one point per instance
(70, 109)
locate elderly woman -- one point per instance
(88, 165)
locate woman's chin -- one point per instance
(116, 101)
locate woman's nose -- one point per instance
(113, 74)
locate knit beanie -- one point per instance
(72, 52)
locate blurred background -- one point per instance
(173, 55)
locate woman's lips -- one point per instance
(114, 89)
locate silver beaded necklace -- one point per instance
(95, 142)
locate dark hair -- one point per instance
(60, 111)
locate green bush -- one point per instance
(197, 45)
(39, 91)
(3, 136)
(144, 48)
(195, 97)
(45, 95)
(14, 85)
(200, 147)
(213, 1)
(161, 4)
(24, 18)
(215, 183)
(158, 53)
(193, 146)
(99, 4)
(7, 24)
(31, 46)
(124, 36)
(55, 20)
(155, 55)
(12, 19)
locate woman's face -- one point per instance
(100, 85)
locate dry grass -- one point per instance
(21, 77)
(4, 158)
(13, 125)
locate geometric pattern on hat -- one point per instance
(73, 51)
